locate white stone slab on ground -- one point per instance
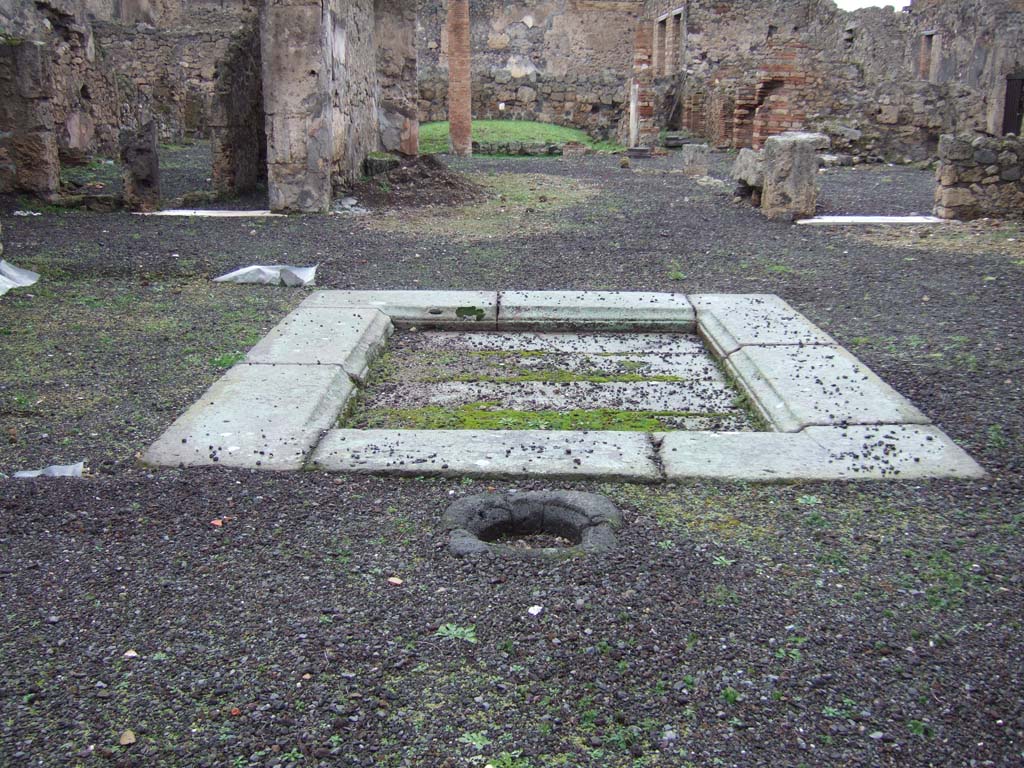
(261, 416)
(619, 310)
(731, 321)
(690, 396)
(588, 344)
(351, 338)
(797, 387)
(871, 220)
(212, 214)
(423, 309)
(625, 456)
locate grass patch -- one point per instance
(434, 136)
(518, 204)
(960, 238)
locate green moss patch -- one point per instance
(490, 416)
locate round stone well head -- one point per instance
(486, 523)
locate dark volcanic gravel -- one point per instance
(230, 618)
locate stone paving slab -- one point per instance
(423, 309)
(797, 387)
(350, 337)
(754, 456)
(817, 453)
(895, 450)
(625, 456)
(690, 396)
(731, 321)
(587, 344)
(262, 416)
(619, 310)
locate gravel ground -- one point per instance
(837, 624)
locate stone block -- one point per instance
(618, 310)
(422, 309)
(749, 168)
(349, 338)
(727, 322)
(791, 175)
(797, 387)
(141, 168)
(627, 456)
(265, 416)
(953, 148)
(877, 452)
(696, 159)
(894, 451)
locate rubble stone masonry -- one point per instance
(980, 176)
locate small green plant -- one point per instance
(228, 359)
(730, 695)
(476, 739)
(808, 500)
(508, 760)
(455, 632)
(996, 438)
(722, 561)
(292, 755)
(919, 728)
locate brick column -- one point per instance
(643, 132)
(460, 99)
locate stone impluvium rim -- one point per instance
(831, 417)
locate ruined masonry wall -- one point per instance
(559, 61)
(172, 72)
(752, 68)
(980, 176)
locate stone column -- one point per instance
(460, 97)
(296, 38)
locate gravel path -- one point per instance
(228, 618)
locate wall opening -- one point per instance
(660, 33)
(1013, 107)
(924, 56)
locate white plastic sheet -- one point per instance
(54, 470)
(15, 277)
(279, 274)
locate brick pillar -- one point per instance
(643, 132)
(460, 99)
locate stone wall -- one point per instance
(28, 141)
(395, 32)
(172, 72)
(878, 82)
(980, 176)
(60, 100)
(560, 61)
